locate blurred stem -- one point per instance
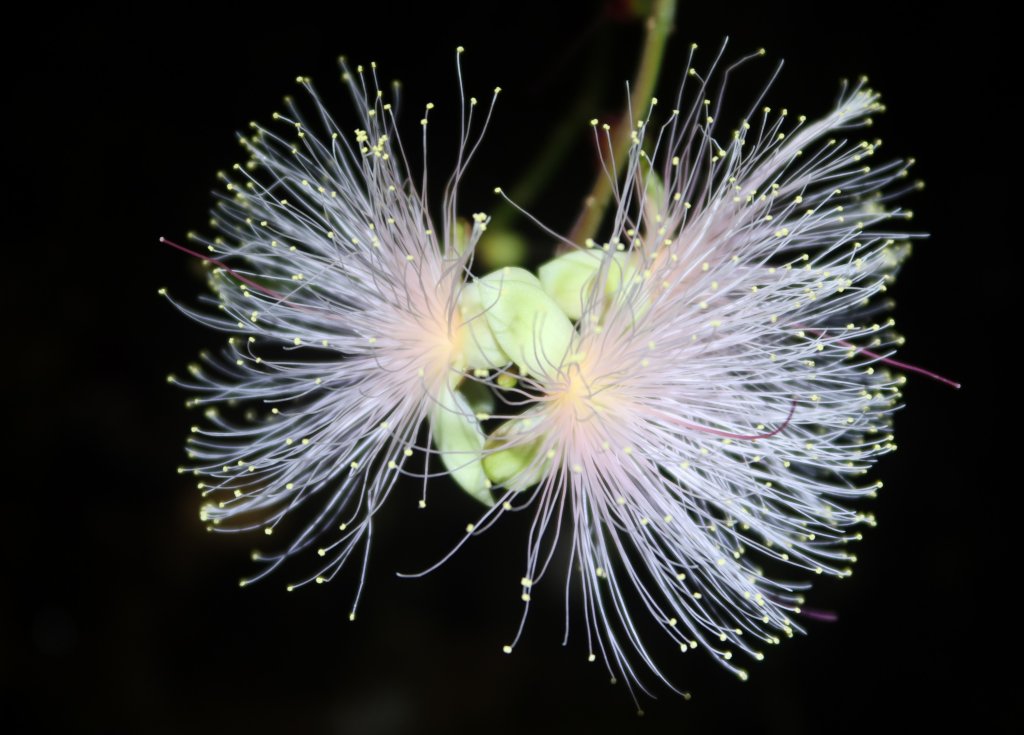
(659, 25)
(557, 146)
(548, 162)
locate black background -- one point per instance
(121, 614)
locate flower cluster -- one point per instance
(693, 402)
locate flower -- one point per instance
(722, 389)
(695, 402)
(341, 296)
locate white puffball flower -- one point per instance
(342, 298)
(697, 414)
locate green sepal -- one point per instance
(511, 455)
(460, 441)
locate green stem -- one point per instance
(548, 163)
(659, 25)
(550, 159)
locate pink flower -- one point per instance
(703, 436)
(341, 295)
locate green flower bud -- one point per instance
(479, 347)
(526, 323)
(569, 278)
(500, 248)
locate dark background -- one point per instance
(121, 614)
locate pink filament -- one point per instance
(825, 616)
(247, 281)
(888, 360)
(900, 365)
(729, 434)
